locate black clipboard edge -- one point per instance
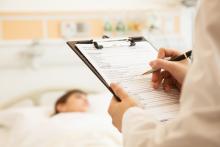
(72, 45)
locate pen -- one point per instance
(178, 58)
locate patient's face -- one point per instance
(76, 102)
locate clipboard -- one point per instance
(131, 40)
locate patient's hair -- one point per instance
(64, 98)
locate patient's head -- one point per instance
(72, 101)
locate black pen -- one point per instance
(178, 58)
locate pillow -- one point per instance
(99, 103)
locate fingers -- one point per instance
(167, 84)
(119, 91)
(161, 53)
(162, 64)
(176, 69)
(158, 77)
(167, 53)
(163, 75)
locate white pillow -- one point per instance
(99, 103)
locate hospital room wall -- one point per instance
(33, 53)
(54, 25)
(51, 19)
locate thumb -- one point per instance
(163, 64)
(119, 91)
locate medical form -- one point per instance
(123, 64)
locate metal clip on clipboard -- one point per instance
(132, 41)
(97, 43)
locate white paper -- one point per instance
(118, 62)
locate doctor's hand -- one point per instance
(117, 109)
(172, 74)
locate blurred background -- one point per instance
(33, 52)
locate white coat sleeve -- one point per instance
(198, 122)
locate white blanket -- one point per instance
(64, 130)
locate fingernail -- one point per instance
(152, 63)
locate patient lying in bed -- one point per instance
(72, 101)
(73, 124)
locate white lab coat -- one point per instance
(198, 123)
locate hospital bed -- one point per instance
(26, 118)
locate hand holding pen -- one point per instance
(174, 70)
